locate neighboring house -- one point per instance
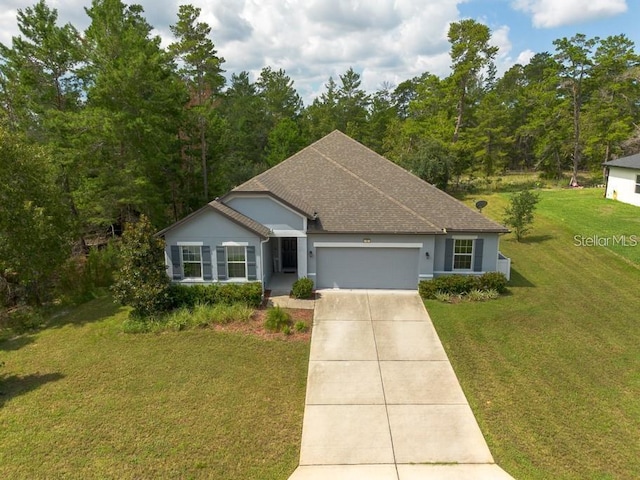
(623, 179)
(340, 214)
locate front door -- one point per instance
(289, 254)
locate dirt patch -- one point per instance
(255, 326)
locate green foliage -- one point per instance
(301, 327)
(226, 293)
(302, 288)
(519, 213)
(83, 277)
(185, 318)
(431, 161)
(447, 286)
(35, 229)
(493, 281)
(21, 319)
(277, 320)
(142, 281)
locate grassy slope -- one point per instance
(553, 371)
(83, 400)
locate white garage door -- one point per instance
(395, 268)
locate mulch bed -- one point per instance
(255, 326)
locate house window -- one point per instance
(192, 261)
(637, 183)
(462, 254)
(236, 262)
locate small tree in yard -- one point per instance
(142, 281)
(519, 213)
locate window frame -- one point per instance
(638, 184)
(231, 262)
(193, 249)
(464, 254)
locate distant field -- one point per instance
(552, 371)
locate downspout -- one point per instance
(262, 268)
(606, 180)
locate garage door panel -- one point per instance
(395, 268)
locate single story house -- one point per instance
(340, 214)
(623, 179)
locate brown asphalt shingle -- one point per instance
(355, 190)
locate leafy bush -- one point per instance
(225, 293)
(519, 213)
(427, 289)
(462, 285)
(184, 318)
(22, 319)
(82, 277)
(476, 295)
(277, 320)
(493, 281)
(302, 288)
(142, 281)
(457, 284)
(442, 296)
(300, 327)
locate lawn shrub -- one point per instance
(442, 296)
(493, 281)
(183, 318)
(249, 294)
(277, 320)
(83, 277)
(21, 319)
(462, 285)
(302, 288)
(476, 295)
(300, 326)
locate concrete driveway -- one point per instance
(383, 402)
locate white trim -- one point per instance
(311, 274)
(458, 272)
(235, 244)
(190, 244)
(425, 275)
(183, 263)
(288, 233)
(235, 262)
(464, 237)
(366, 245)
(472, 254)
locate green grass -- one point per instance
(552, 371)
(82, 399)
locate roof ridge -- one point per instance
(392, 199)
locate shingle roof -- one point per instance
(632, 161)
(355, 190)
(228, 212)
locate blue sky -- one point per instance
(386, 41)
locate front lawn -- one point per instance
(552, 371)
(81, 399)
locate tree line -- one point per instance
(102, 125)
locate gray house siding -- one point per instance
(268, 212)
(211, 231)
(485, 253)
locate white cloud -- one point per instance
(525, 57)
(383, 40)
(556, 13)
